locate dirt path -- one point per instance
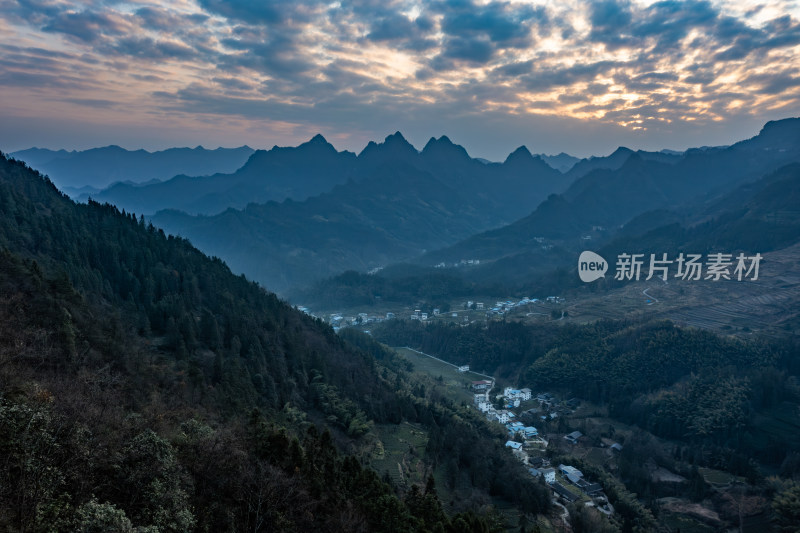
(564, 514)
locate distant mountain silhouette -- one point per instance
(562, 162)
(756, 217)
(759, 216)
(604, 199)
(616, 159)
(298, 172)
(100, 167)
(396, 203)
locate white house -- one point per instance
(517, 394)
(549, 475)
(502, 416)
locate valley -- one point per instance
(768, 306)
(419, 266)
(663, 403)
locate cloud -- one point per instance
(611, 21)
(164, 20)
(234, 84)
(544, 79)
(500, 22)
(475, 33)
(86, 26)
(272, 53)
(245, 10)
(776, 83)
(475, 49)
(362, 64)
(410, 34)
(150, 49)
(92, 102)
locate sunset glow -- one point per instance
(491, 74)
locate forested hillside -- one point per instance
(143, 387)
(682, 400)
(680, 383)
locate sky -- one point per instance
(577, 76)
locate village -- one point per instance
(466, 312)
(518, 410)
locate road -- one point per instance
(653, 298)
(564, 514)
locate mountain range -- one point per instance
(442, 206)
(597, 204)
(759, 217)
(290, 216)
(298, 172)
(397, 203)
(97, 168)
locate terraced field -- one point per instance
(399, 453)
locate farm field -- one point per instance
(458, 383)
(399, 452)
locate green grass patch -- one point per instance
(718, 477)
(399, 453)
(458, 384)
(597, 456)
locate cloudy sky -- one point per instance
(575, 75)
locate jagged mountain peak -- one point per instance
(394, 143)
(520, 154)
